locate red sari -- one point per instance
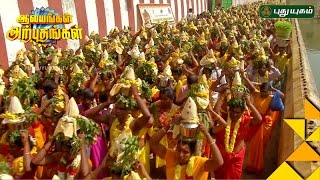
(233, 162)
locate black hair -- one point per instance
(191, 143)
(206, 70)
(264, 86)
(159, 58)
(177, 71)
(191, 79)
(168, 91)
(116, 173)
(106, 75)
(49, 86)
(263, 64)
(79, 93)
(88, 93)
(18, 142)
(103, 97)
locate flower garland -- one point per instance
(72, 170)
(229, 145)
(189, 169)
(265, 77)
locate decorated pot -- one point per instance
(189, 130)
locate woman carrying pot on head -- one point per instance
(163, 111)
(260, 134)
(262, 70)
(21, 151)
(126, 165)
(223, 85)
(182, 164)
(63, 164)
(71, 156)
(132, 116)
(16, 144)
(230, 139)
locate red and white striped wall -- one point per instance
(92, 15)
(239, 2)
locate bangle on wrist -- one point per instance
(27, 153)
(213, 142)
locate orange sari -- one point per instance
(40, 135)
(260, 139)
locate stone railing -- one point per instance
(300, 85)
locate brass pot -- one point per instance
(189, 130)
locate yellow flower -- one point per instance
(202, 94)
(8, 115)
(102, 63)
(140, 60)
(192, 26)
(202, 39)
(186, 47)
(152, 64)
(176, 54)
(90, 46)
(129, 82)
(229, 145)
(167, 42)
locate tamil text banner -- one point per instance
(156, 13)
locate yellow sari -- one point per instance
(3, 139)
(17, 168)
(281, 62)
(144, 154)
(164, 141)
(180, 84)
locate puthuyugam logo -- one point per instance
(265, 11)
(44, 27)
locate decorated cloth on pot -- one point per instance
(238, 90)
(200, 93)
(54, 66)
(105, 62)
(17, 73)
(127, 79)
(208, 59)
(165, 76)
(189, 112)
(72, 121)
(67, 125)
(15, 112)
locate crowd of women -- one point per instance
(119, 106)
